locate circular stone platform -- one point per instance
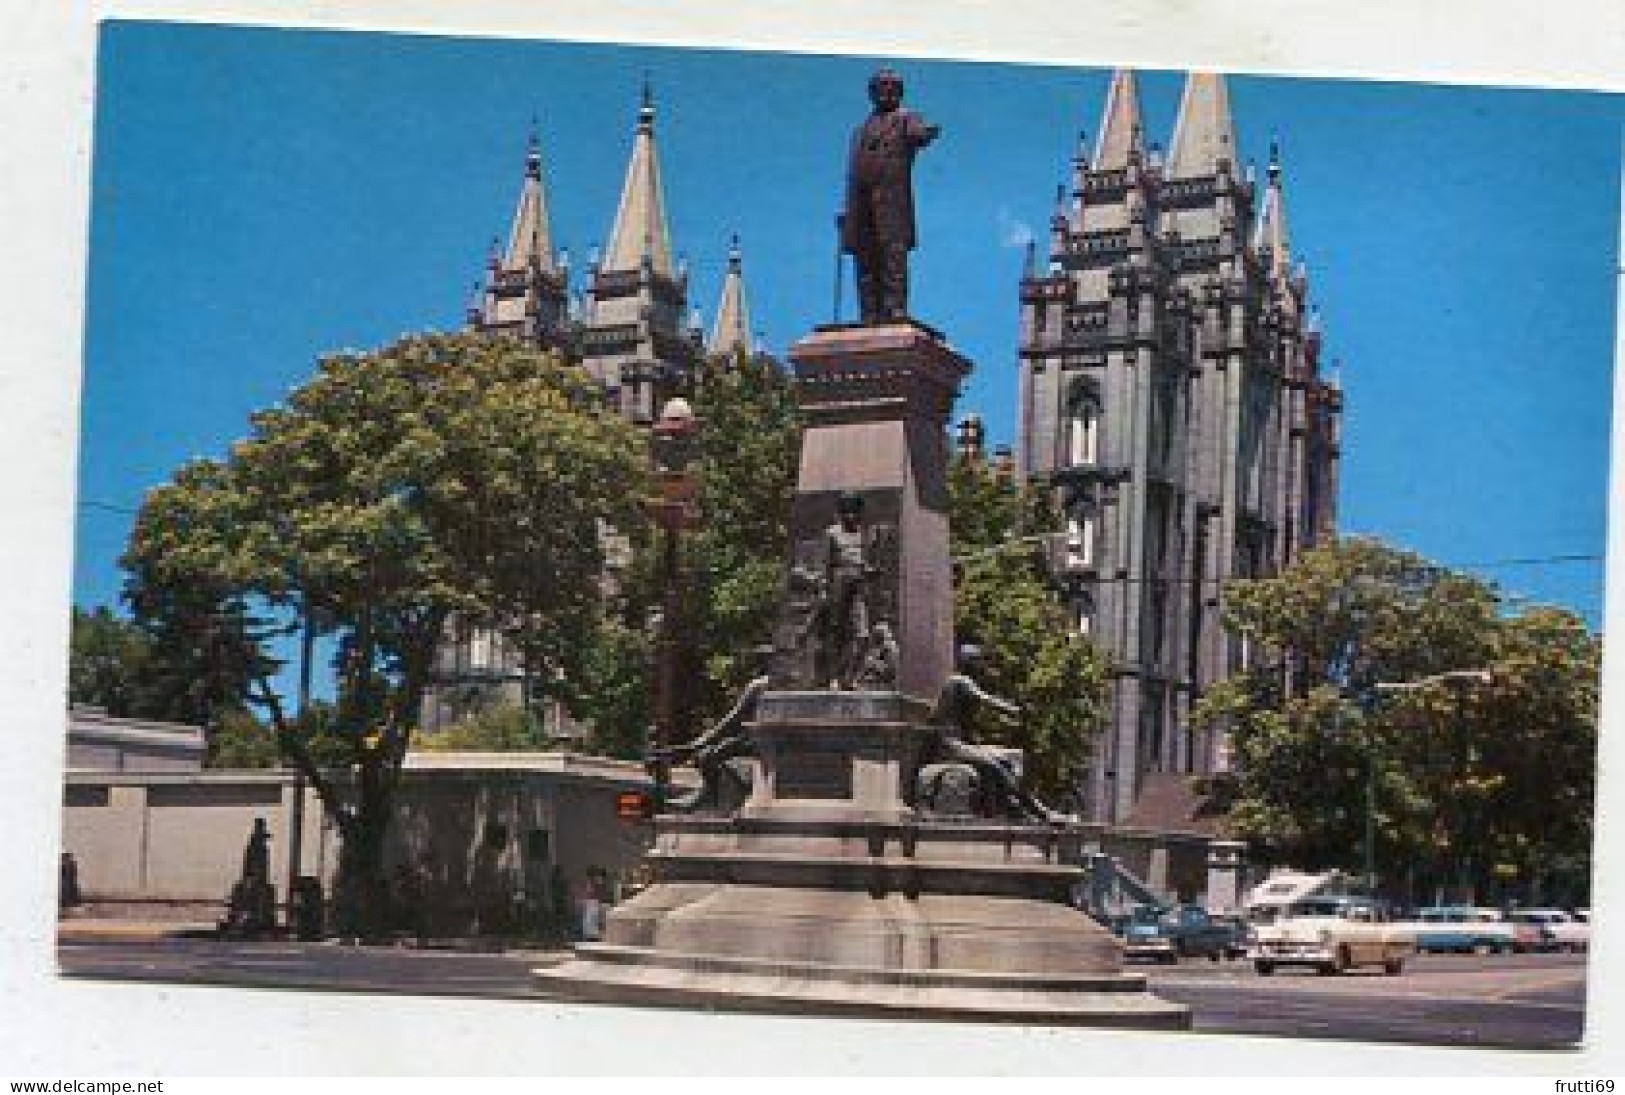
(839, 898)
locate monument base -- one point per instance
(829, 892)
(602, 973)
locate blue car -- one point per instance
(1463, 929)
(1145, 935)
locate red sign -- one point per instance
(634, 805)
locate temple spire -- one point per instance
(1205, 133)
(530, 239)
(639, 235)
(1120, 127)
(1269, 233)
(731, 331)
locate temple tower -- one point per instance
(1169, 397)
(635, 337)
(730, 332)
(526, 290)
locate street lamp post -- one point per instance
(675, 435)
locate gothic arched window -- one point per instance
(1082, 533)
(1082, 434)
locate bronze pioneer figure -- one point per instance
(839, 626)
(728, 740)
(951, 720)
(877, 226)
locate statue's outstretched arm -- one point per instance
(729, 725)
(1002, 706)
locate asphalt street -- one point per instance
(1525, 1001)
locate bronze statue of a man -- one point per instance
(877, 226)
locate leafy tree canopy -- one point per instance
(441, 476)
(1354, 688)
(499, 728)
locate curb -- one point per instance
(68, 930)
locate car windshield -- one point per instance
(1322, 907)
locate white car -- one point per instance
(1332, 935)
(1553, 929)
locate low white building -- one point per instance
(100, 742)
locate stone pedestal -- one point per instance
(828, 893)
(811, 765)
(876, 402)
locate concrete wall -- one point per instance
(493, 824)
(167, 836)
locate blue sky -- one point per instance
(262, 196)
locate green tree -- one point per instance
(499, 728)
(244, 740)
(439, 477)
(1005, 603)
(241, 741)
(1505, 772)
(153, 667)
(107, 662)
(614, 694)
(1460, 778)
(749, 451)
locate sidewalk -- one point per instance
(108, 929)
(95, 928)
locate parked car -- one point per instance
(1199, 933)
(1145, 935)
(1464, 929)
(1332, 935)
(1550, 930)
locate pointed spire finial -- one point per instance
(1029, 266)
(646, 111)
(1275, 161)
(533, 148)
(731, 332)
